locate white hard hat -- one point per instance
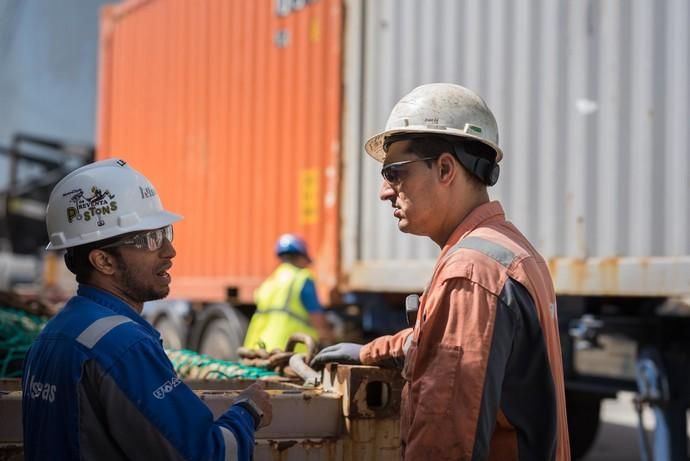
(439, 108)
(102, 200)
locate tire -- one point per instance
(583, 421)
(223, 333)
(171, 335)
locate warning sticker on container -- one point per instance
(309, 196)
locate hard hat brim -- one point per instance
(374, 145)
(306, 255)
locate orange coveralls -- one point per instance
(483, 368)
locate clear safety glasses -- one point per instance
(393, 173)
(149, 240)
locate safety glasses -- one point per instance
(395, 172)
(150, 240)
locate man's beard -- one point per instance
(134, 287)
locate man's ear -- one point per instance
(103, 261)
(447, 168)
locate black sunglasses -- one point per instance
(395, 172)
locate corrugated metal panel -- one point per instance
(232, 109)
(593, 105)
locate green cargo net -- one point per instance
(189, 364)
(18, 329)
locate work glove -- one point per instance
(347, 353)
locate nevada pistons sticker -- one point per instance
(94, 206)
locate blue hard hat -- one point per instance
(290, 243)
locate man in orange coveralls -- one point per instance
(483, 370)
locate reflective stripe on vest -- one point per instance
(230, 444)
(94, 332)
(280, 297)
(286, 306)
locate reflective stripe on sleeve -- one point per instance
(94, 332)
(493, 250)
(230, 444)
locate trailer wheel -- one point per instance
(171, 318)
(583, 421)
(223, 333)
(171, 335)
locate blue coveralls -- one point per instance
(97, 384)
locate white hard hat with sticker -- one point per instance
(101, 200)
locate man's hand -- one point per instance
(261, 399)
(347, 353)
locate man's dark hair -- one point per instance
(77, 258)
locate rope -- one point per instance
(189, 364)
(277, 359)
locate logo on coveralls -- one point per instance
(166, 388)
(43, 391)
(93, 207)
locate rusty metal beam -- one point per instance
(353, 416)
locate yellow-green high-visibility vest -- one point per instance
(279, 310)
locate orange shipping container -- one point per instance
(232, 109)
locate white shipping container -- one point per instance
(593, 103)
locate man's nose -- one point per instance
(167, 249)
(386, 192)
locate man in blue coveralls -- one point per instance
(97, 383)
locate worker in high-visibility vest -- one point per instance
(286, 302)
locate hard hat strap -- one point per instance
(486, 170)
